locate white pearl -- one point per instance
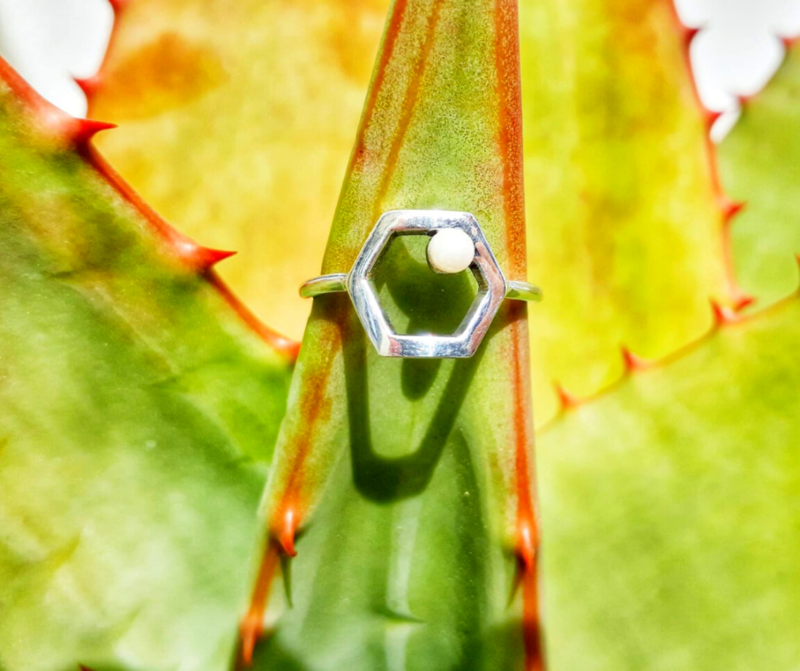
(450, 250)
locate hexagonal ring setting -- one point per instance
(464, 342)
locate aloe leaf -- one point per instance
(248, 111)
(138, 410)
(670, 510)
(404, 486)
(759, 167)
(624, 213)
(625, 218)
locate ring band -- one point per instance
(461, 245)
(337, 282)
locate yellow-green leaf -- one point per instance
(138, 412)
(236, 123)
(624, 220)
(408, 482)
(624, 217)
(760, 166)
(670, 510)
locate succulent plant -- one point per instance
(176, 491)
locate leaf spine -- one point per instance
(88, 85)
(285, 533)
(689, 33)
(118, 5)
(527, 543)
(252, 625)
(723, 315)
(632, 361)
(711, 117)
(198, 257)
(730, 208)
(744, 100)
(63, 125)
(81, 131)
(566, 400)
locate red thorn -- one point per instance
(711, 118)
(723, 315)
(210, 257)
(731, 208)
(526, 544)
(88, 85)
(633, 362)
(83, 130)
(198, 257)
(744, 100)
(285, 535)
(252, 626)
(84, 668)
(689, 34)
(64, 126)
(566, 400)
(118, 5)
(250, 631)
(742, 301)
(291, 348)
(789, 42)
(201, 258)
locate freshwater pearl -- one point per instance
(450, 250)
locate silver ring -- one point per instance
(492, 287)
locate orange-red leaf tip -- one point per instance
(205, 257)
(527, 542)
(287, 544)
(81, 131)
(690, 33)
(291, 348)
(742, 300)
(566, 400)
(712, 117)
(250, 631)
(789, 42)
(285, 532)
(723, 315)
(118, 5)
(633, 362)
(198, 257)
(731, 208)
(88, 84)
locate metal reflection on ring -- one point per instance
(493, 287)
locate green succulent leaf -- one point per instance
(760, 169)
(404, 486)
(248, 111)
(624, 219)
(670, 510)
(138, 413)
(139, 409)
(624, 215)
